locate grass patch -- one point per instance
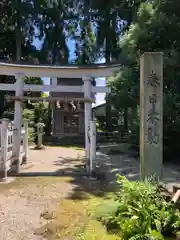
(95, 230)
(73, 221)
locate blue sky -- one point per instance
(99, 81)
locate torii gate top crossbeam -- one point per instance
(63, 71)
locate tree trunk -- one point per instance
(48, 127)
(2, 103)
(126, 119)
(108, 104)
(18, 45)
(18, 31)
(18, 42)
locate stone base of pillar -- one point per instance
(24, 160)
(39, 147)
(16, 166)
(3, 176)
(87, 165)
(7, 180)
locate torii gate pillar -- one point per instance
(88, 113)
(18, 121)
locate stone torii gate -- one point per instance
(69, 71)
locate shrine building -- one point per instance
(68, 118)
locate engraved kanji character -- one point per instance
(153, 134)
(153, 80)
(152, 114)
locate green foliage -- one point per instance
(31, 135)
(140, 211)
(33, 80)
(106, 210)
(40, 111)
(148, 32)
(37, 114)
(86, 44)
(29, 115)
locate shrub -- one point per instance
(29, 115)
(31, 135)
(140, 211)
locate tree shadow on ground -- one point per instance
(77, 141)
(78, 176)
(75, 170)
(66, 145)
(110, 165)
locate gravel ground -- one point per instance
(24, 200)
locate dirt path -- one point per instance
(52, 159)
(24, 200)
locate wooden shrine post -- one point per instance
(151, 118)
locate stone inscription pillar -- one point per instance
(151, 114)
